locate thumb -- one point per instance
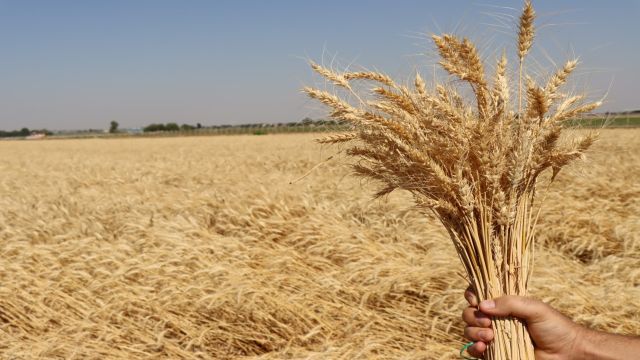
(525, 308)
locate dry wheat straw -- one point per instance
(474, 164)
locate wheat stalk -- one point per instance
(525, 40)
(472, 164)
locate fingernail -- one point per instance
(484, 335)
(488, 304)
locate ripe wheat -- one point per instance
(473, 163)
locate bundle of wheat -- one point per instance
(475, 164)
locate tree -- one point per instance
(199, 126)
(154, 127)
(171, 127)
(186, 127)
(113, 128)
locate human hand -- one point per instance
(554, 335)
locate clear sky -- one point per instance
(80, 64)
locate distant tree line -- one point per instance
(627, 112)
(24, 132)
(174, 127)
(186, 127)
(304, 122)
(170, 127)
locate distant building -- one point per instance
(36, 136)
(132, 131)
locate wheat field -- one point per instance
(202, 248)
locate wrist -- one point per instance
(593, 345)
(583, 343)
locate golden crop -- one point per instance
(201, 248)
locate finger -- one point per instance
(478, 334)
(529, 309)
(477, 349)
(471, 297)
(474, 317)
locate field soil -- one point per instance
(202, 248)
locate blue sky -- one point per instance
(80, 64)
